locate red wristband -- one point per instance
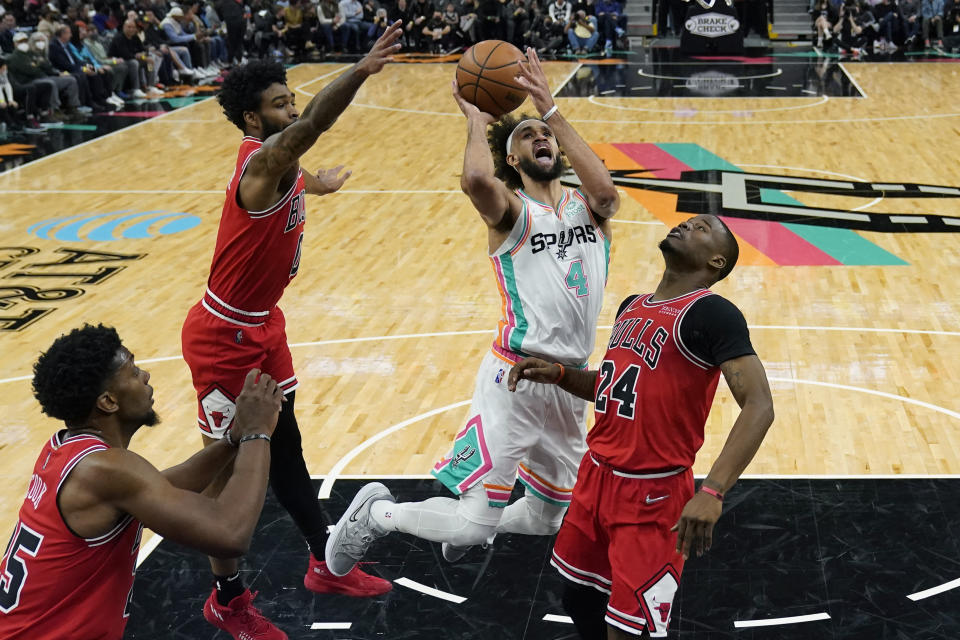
(562, 371)
(713, 492)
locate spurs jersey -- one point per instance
(257, 252)
(658, 378)
(551, 272)
(56, 584)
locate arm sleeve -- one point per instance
(715, 330)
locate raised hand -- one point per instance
(695, 526)
(258, 405)
(383, 49)
(329, 181)
(532, 78)
(470, 110)
(533, 369)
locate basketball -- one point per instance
(486, 77)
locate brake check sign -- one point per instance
(712, 25)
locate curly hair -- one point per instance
(244, 86)
(497, 136)
(70, 375)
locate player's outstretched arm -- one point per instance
(748, 382)
(282, 151)
(489, 195)
(597, 185)
(580, 383)
(122, 480)
(325, 181)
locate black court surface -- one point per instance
(850, 559)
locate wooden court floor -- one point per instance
(395, 303)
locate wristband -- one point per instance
(713, 492)
(552, 110)
(562, 371)
(254, 436)
(229, 439)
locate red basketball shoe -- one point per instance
(240, 618)
(356, 583)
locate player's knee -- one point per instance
(548, 519)
(470, 534)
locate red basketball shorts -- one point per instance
(616, 538)
(221, 353)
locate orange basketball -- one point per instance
(486, 77)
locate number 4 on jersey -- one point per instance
(577, 279)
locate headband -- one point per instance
(519, 124)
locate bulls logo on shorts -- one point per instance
(656, 600)
(218, 410)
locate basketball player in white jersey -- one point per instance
(549, 247)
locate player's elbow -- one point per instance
(476, 182)
(606, 202)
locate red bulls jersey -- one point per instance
(257, 252)
(653, 394)
(56, 584)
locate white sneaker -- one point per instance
(355, 531)
(137, 93)
(187, 73)
(153, 91)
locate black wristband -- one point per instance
(254, 436)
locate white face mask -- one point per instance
(24, 46)
(40, 45)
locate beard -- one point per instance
(150, 419)
(541, 174)
(270, 128)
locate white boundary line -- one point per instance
(148, 547)
(327, 485)
(430, 591)
(823, 100)
(552, 617)
(776, 73)
(330, 625)
(439, 334)
(30, 163)
(863, 94)
(567, 79)
(771, 622)
(947, 586)
(299, 88)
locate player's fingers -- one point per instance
(680, 528)
(708, 536)
(250, 381)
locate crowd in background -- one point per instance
(856, 26)
(64, 59)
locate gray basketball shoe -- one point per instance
(352, 535)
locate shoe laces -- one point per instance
(252, 619)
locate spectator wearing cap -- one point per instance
(28, 65)
(177, 37)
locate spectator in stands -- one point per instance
(560, 11)
(163, 59)
(178, 39)
(328, 23)
(232, 12)
(8, 106)
(204, 45)
(105, 73)
(850, 33)
(28, 65)
(582, 32)
(932, 13)
(546, 34)
(294, 38)
(92, 91)
(350, 30)
(418, 13)
(609, 20)
(910, 21)
(128, 46)
(102, 19)
(888, 18)
(952, 41)
(379, 26)
(266, 32)
(48, 22)
(468, 21)
(30, 97)
(825, 17)
(451, 18)
(491, 20)
(8, 24)
(436, 33)
(126, 73)
(518, 21)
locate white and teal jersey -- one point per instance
(551, 272)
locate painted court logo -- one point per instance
(678, 180)
(114, 225)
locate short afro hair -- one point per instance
(243, 88)
(731, 251)
(497, 136)
(70, 375)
